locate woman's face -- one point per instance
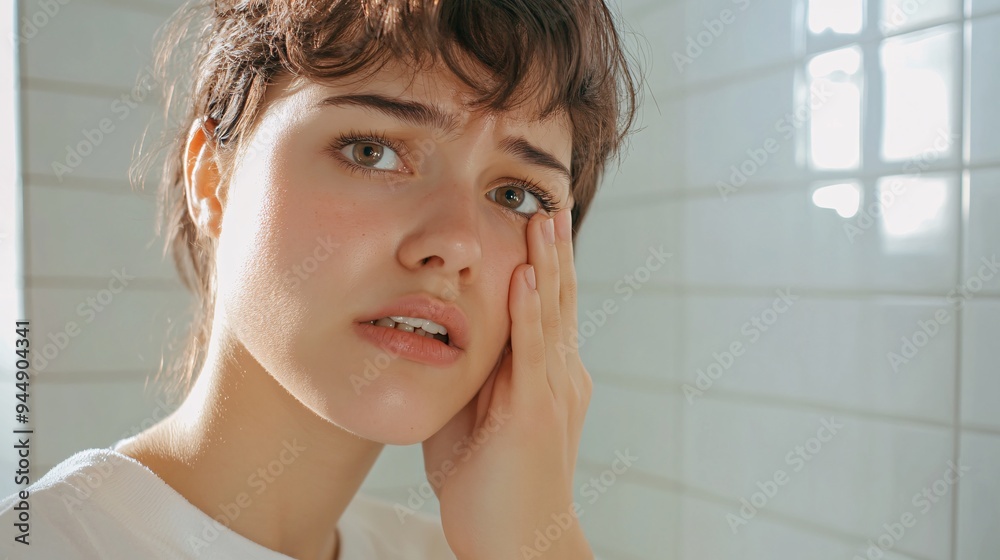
(340, 206)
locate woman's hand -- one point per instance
(503, 467)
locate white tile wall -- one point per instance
(764, 107)
(57, 53)
(979, 7)
(652, 161)
(732, 448)
(729, 37)
(825, 351)
(102, 413)
(979, 497)
(980, 382)
(982, 237)
(780, 238)
(868, 285)
(119, 242)
(648, 320)
(984, 114)
(124, 332)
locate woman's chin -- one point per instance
(402, 424)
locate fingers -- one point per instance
(527, 342)
(568, 292)
(544, 255)
(567, 275)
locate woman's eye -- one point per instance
(373, 155)
(514, 197)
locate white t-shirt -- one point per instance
(100, 504)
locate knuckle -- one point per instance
(552, 322)
(536, 354)
(569, 291)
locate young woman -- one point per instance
(375, 203)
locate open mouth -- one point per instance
(389, 322)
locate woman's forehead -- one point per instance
(437, 93)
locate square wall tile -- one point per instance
(984, 6)
(67, 135)
(653, 159)
(984, 90)
(761, 149)
(783, 238)
(652, 32)
(75, 416)
(982, 239)
(979, 497)
(76, 232)
(843, 352)
(842, 472)
(80, 33)
(627, 519)
(731, 37)
(629, 333)
(707, 534)
(980, 374)
(643, 424)
(627, 245)
(81, 331)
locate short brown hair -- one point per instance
(559, 55)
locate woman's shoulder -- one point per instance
(100, 503)
(44, 518)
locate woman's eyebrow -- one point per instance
(420, 114)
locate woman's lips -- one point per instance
(409, 345)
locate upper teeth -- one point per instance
(418, 323)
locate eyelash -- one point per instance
(546, 200)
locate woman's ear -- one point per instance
(205, 198)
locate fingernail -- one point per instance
(549, 231)
(529, 277)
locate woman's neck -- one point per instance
(242, 449)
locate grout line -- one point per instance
(961, 235)
(734, 78)
(604, 553)
(672, 387)
(680, 290)
(148, 8)
(980, 429)
(793, 521)
(58, 378)
(86, 184)
(142, 284)
(683, 194)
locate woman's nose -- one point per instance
(445, 234)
